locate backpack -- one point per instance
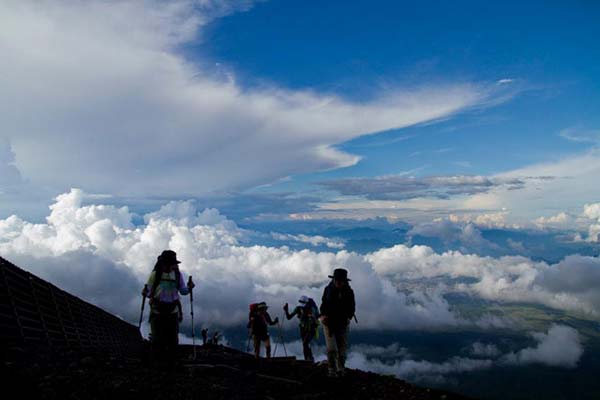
(313, 307)
(311, 322)
(166, 308)
(253, 312)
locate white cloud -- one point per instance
(560, 220)
(484, 220)
(560, 347)
(100, 95)
(510, 278)
(577, 134)
(505, 81)
(312, 240)
(467, 236)
(484, 350)
(397, 288)
(208, 244)
(573, 184)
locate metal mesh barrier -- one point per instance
(36, 314)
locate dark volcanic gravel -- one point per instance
(217, 373)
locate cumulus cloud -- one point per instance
(209, 246)
(400, 287)
(559, 347)
(592, 212)
(509, 278)
(484, 220)
(102, 89)
(467, 237)
(560, 221)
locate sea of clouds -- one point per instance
(560, 346)
(97, 252)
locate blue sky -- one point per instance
(434, 149)
(281, 103)
(354, 49)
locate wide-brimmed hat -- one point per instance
(169, 256)
(340, 274)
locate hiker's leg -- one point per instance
(162, 335)
(332, 350)
(173, 336)
(154, 335)
(256, 341)
(268, 346)
(306, 339)
(342, 343)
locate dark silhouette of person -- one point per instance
(337, 309)
(258, 324)
(165, 285)
(308, 315)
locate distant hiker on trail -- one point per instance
(308, 315)
(259, 321)
(164, 286)
(337, 309)
(215, 338)
(204, 336)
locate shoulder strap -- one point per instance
(157, 278)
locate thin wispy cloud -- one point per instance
(402, 187)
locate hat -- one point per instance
(169, 256)
(340, 274)
(303, 299)
(262, 305)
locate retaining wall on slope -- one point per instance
(34, 314)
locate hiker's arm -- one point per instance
(292, 315)
(324, 310)
(183, 288)
(269, 320)
(351, 304)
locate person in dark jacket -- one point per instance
(259, 327)
(337, 309)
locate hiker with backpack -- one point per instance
(258, 323)
(308, 315)
(337, 309)
(163, 288)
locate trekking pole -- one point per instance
(144, 293)
(192, 314)
(248, 343)
(281, 336)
